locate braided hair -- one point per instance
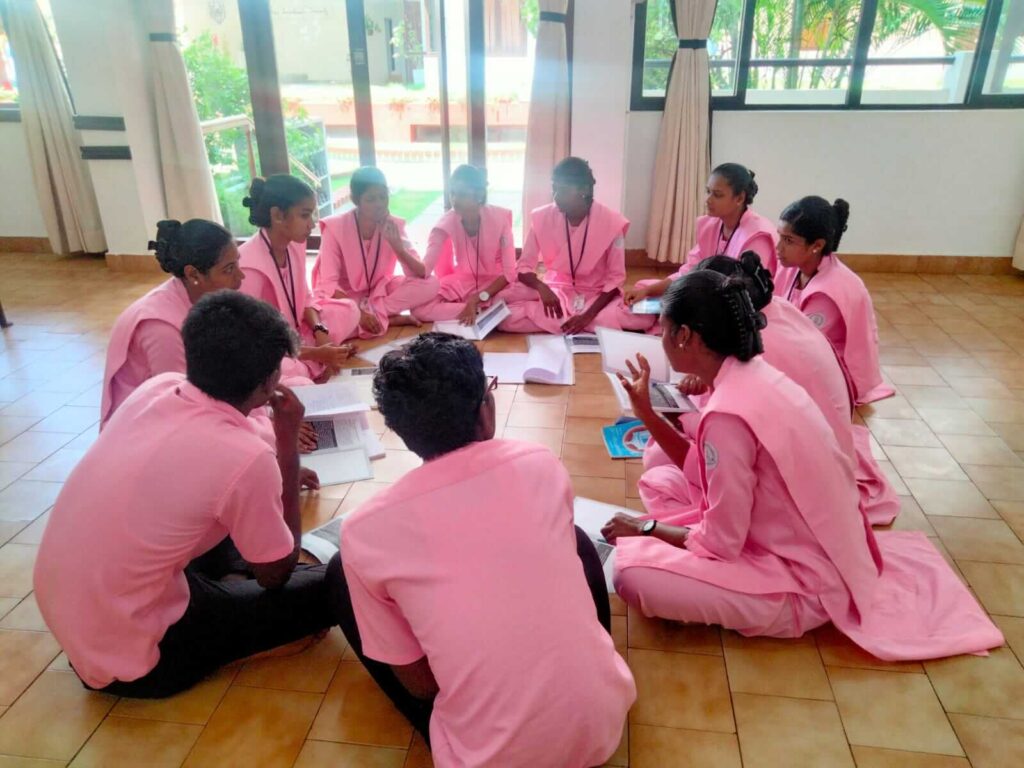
(196, 243)
(755, 276)
(719, 309)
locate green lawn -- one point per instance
(408, 204)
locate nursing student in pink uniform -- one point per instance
(797, 349)
(472, 252)
(201, 257)
(731, 227)
(582, 244)
(274, 261)
(468, 593)
(781, 546)
(359, 251)
(827, 291)
(177, 493)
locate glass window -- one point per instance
(922, 53)
(8, 77)
(660, 45)
(1005, 73)
(210, 36)
(724, 46)
(802, 51)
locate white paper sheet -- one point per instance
(619, 346)
(486, 322)
(330, 399)
(591, 516)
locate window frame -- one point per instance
(858, 61)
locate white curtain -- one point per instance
(547, 130)
(684, 145)
(63, 185)
(188, 185)
(1018, 249)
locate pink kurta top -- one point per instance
(838, 302)
(142, 503)
(600, 266)
(145, 341)
(797, 528)
(340, 262)
(753, 233)
(266, 281)
(470, 560)
(472, 262)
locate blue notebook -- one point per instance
(626, 439)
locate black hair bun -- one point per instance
(167, 244)
(252, 200)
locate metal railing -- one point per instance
(218, 124)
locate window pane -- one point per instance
(8, 77)
(789, 36)
(210, 36)
(660, 45)
(315, 74)
(926, 51)
(724, 46)
(1006, 67)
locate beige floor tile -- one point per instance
(913, 374)
(33, 532)
(1012, 434)
(661, 635)
(549, 438)
(57, 467)
(654, 747)
(9, 761)
(13, 470)
(984, 387)
(932, 397)
(924, 463)
(891, 408)
(606, 489)
(973, 449)
(69, 419)
(955, 498)
(999, 587)
(12, 426)
(25, 500)
(394, 465)
(789, 733)
(9, 529)
(584, 431)
(53, 718)
(952, 421)
(329, 754)
(194, 706)
(251, 727)
(991, 742)
(16, 561)
(8, 604)
(903, 432)
(542, 393)
(606, 406)
(983, 540)
(990, 686)
(23, 657)
(591, 461)
(618, 605)
(910, 518)
(1004, 483)
(356, 711)
(590, 384)
(419, 754)
(537, 415)
(292, 669)
(897, 482)
(1004, 411)
(873, 757)
(892, 710)
(1012, 628)
(772, 667)
(681, 690)
(1013, 513)
(121, 741)
(25, 617)
(620, 635)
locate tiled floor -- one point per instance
(952, 440)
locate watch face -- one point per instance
(649, 526)
(484, 296)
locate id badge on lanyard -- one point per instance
(579, 303)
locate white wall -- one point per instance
(924, 183)
(19, 206)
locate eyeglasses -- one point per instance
(490, 384)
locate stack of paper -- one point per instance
(345, 442)
(548, 361)
(486, 321)
(591, 516)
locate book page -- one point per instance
(550, 361)
(330, 399)
(509, 367)
(619, 346)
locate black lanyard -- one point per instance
(796, 279)
(362, 252)
(721, 234)
(476, 270)
(291, 278)
(568, 244)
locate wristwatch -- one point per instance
(648, 527)
(484, 296)
(321, 328)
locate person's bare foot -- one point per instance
(397, 320)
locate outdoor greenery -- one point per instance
(799, 28)
(221, 89)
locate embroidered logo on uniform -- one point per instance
(817, 318)
(710, 455)
(620, 241)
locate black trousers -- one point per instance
(229, 620)
(418, 711)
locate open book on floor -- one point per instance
(548, 361)
(322, 542)
(665, 398)
(584, 344)
(345, 443)
(591, 516)
(486, 321)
